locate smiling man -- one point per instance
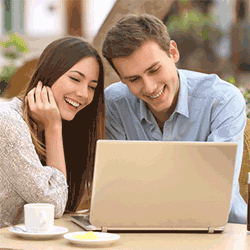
(157, 101)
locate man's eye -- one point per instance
(154, 70)
(133, 80)
(75, 79)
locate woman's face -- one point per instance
(75, 89)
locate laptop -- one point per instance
(161, 186)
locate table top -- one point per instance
(235, 236)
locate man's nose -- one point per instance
(149, 86)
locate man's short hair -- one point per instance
(130, 32)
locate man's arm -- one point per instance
(227, 125)
(114, 128)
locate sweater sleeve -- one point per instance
(21, 167)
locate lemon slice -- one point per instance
(87, 236)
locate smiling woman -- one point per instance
(75, 89)
(48, 133)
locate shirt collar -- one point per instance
(143, 113)
(182, 104)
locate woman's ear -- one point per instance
(174, 52)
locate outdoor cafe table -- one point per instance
(235, 236)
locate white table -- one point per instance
(234, 237)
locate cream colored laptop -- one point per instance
(159, 185)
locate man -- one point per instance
(156, 101)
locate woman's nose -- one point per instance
(82, 91)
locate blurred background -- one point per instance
(212, 35)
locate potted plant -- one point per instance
(12, 52)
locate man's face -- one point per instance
(151, 75)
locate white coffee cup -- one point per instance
(39, 217)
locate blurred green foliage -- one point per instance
(12, 50)
(14, 47)
(192, 21)
(245, 92)
(195, 25)
(231, 80)
(5, 76)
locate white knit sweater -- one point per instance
(23, 179)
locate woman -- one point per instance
(48, 133)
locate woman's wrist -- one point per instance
(54, 127)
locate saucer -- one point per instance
(104, 239)
(54, 232)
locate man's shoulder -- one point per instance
(208, 85)
(199, 79)
(117, 91)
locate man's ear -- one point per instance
(174, 52)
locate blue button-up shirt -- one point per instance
(208, 109)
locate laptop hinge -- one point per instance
(104, 229)
(210, 230)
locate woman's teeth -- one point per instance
(153, 97)
(72, 103)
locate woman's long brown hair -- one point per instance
(81, 134)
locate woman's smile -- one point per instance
(72, 103)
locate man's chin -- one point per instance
(157, 108)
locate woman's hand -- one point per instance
(43, 107)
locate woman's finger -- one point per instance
(38, 92)
(44, 95)
(51, 96)
(31, 98)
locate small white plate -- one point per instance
(104, 239)
(54, 232)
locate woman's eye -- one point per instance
(75, 79)
(92, 87)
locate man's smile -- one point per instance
(157, 95)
